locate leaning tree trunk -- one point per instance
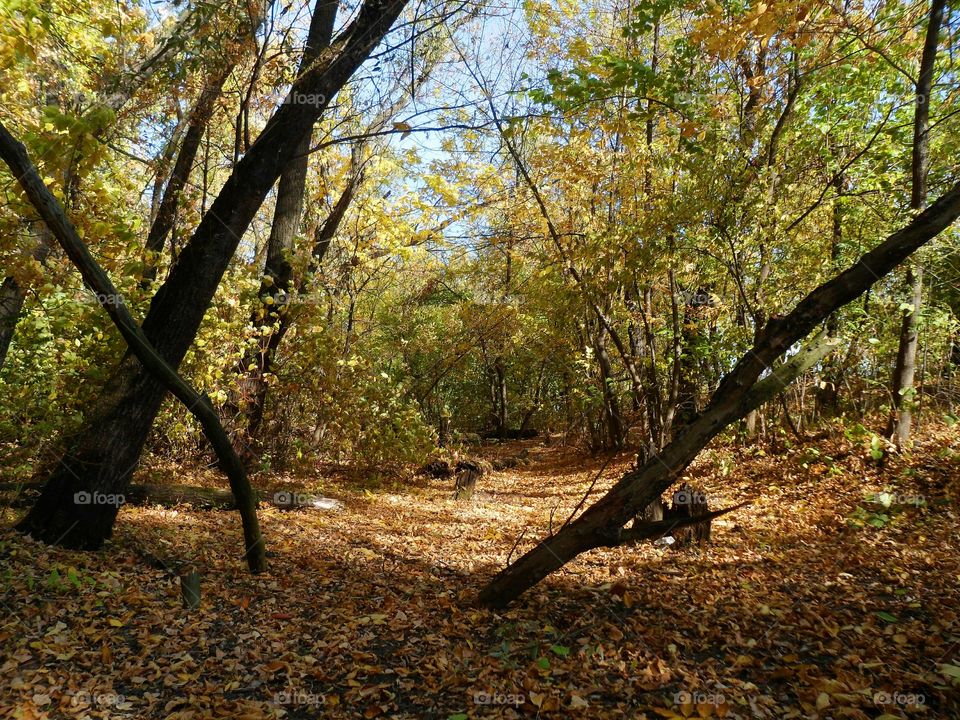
(601, 525)
(905, 368)
(103, 455)
(54, 216)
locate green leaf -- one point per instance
(950, 671)
(53, 580)
(560, 650)
(543, 663)
(885, 616)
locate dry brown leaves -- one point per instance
(801, 607)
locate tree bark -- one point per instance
(104, 454)
(601, 525)
(904, 370)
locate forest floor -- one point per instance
(812, 602)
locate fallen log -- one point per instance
(199, 497)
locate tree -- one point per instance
(903, 373)
(601, 525)
(117, 92)
(103, 456)
(53, 215)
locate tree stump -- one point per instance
(467, 473)
(688, 502)
(190, 589)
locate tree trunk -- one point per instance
(103, 455)
(906, 365)
(611, 404)
(601, 525)
(903, 373)
(828, 393)
(276, 284)
(167, 209)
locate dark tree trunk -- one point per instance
(828, 394)
(904, 370)
(276, 285)
(611, 404)
(167, 209)
(601, 525)
(500, 389)
(103, 455)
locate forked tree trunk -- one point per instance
(601, 525)
(103, 455)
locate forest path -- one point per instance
(792, 611)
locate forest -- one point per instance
(460, 359)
